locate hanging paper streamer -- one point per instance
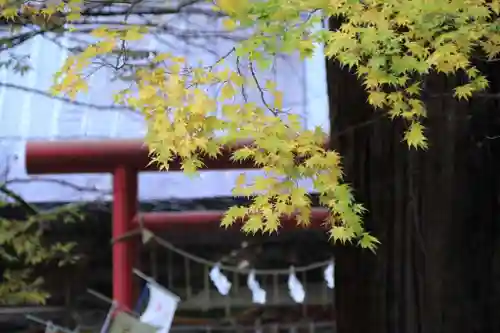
(329, 274)
(161, 308)
(295, 287)
(258, 294)
(220, 280)
(51, 328)
(109, 317)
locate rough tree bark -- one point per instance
(436, 213)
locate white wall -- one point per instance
(32, 116)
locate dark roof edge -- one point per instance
(215, 203)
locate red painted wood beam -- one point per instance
(208, 220)
(103, 156)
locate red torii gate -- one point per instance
(125, 159)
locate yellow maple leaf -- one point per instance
(233, 7)
(414, 136)
(227, 92)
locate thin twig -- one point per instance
(243, 90)
(63, 99)
(261, 90)
(17, 198)
(61, 182)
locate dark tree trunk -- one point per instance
(436, 213)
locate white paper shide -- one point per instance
(220, 280)
(258, 294)
(161, 308)
(295, 288)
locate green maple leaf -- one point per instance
(415, 137)
(368, 241)
(341, 234)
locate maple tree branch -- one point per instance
(8, 43)
(61, 182)
(18, 199)
(131, 10)
(63, 99)
(261, 89)
(58, 20)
